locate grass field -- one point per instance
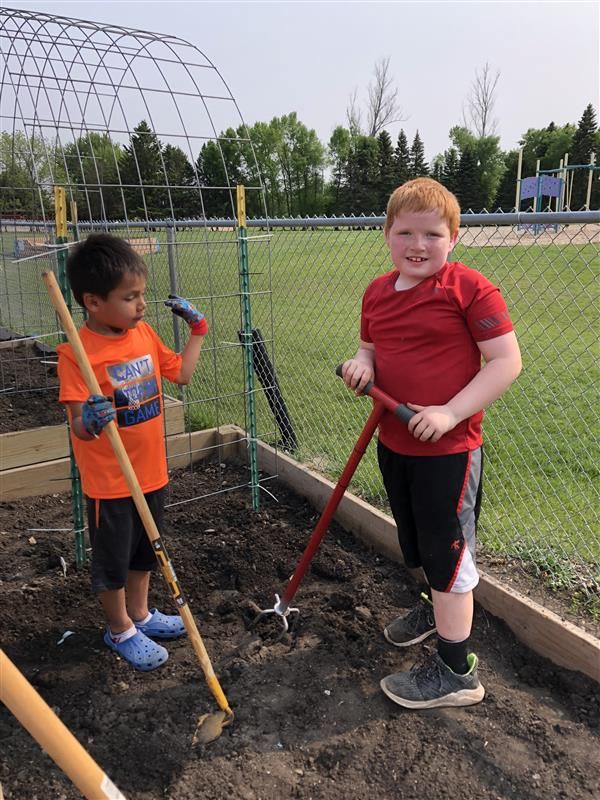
(541, 468)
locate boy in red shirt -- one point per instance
(425, 327)
(108, 279)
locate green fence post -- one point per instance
(247, 342)
(60, 212)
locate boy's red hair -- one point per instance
(423, 194)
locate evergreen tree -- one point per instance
(402, 159)
(437, 168)
(418, 165)
(217, 201)
(360, 194)
(468, 189)
(385, 162)
(142, 173)
(585, 142)
(505, 198)
(220, 167)
(450, 171)
(181, 181)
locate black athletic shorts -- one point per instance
(119, 540)
(435, 501)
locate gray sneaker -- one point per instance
(433, 684)
(415, 626)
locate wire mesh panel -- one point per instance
(134, 125)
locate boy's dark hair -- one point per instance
(97, 265)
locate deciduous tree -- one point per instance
(383, 107)
(92, 166)
(481, 101)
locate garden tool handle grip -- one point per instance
(399, 409)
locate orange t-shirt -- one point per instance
(129, 369)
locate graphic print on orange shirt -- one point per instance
(136, 393)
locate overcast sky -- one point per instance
(308, 57)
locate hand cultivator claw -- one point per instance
(281, 609)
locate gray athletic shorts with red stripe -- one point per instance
(435, 501)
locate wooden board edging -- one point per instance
(52, 477)
(539, 628)
(47, 477)
(51, 442)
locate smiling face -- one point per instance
(121, 309)
(419, 243)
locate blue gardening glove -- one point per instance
(188, 312)
(96, 413)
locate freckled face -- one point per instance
(121, 310)
(419, 243)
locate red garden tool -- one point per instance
(382, 402)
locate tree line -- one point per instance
(353, 173)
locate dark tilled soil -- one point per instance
(28, 389)
(310, 721)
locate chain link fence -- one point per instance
(306, 282)
(541, 485)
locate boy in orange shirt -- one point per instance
(425, 327)
(108, 279)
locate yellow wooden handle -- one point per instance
(36, 716)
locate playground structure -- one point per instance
(554, 184)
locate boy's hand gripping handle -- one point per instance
(399, 409)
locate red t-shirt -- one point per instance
(426, 350)
(129, 369)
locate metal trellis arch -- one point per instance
(141, 130)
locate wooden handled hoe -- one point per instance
(209, 725)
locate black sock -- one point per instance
(426, 590)
(454, 654)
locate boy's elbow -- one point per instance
(517, 367)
